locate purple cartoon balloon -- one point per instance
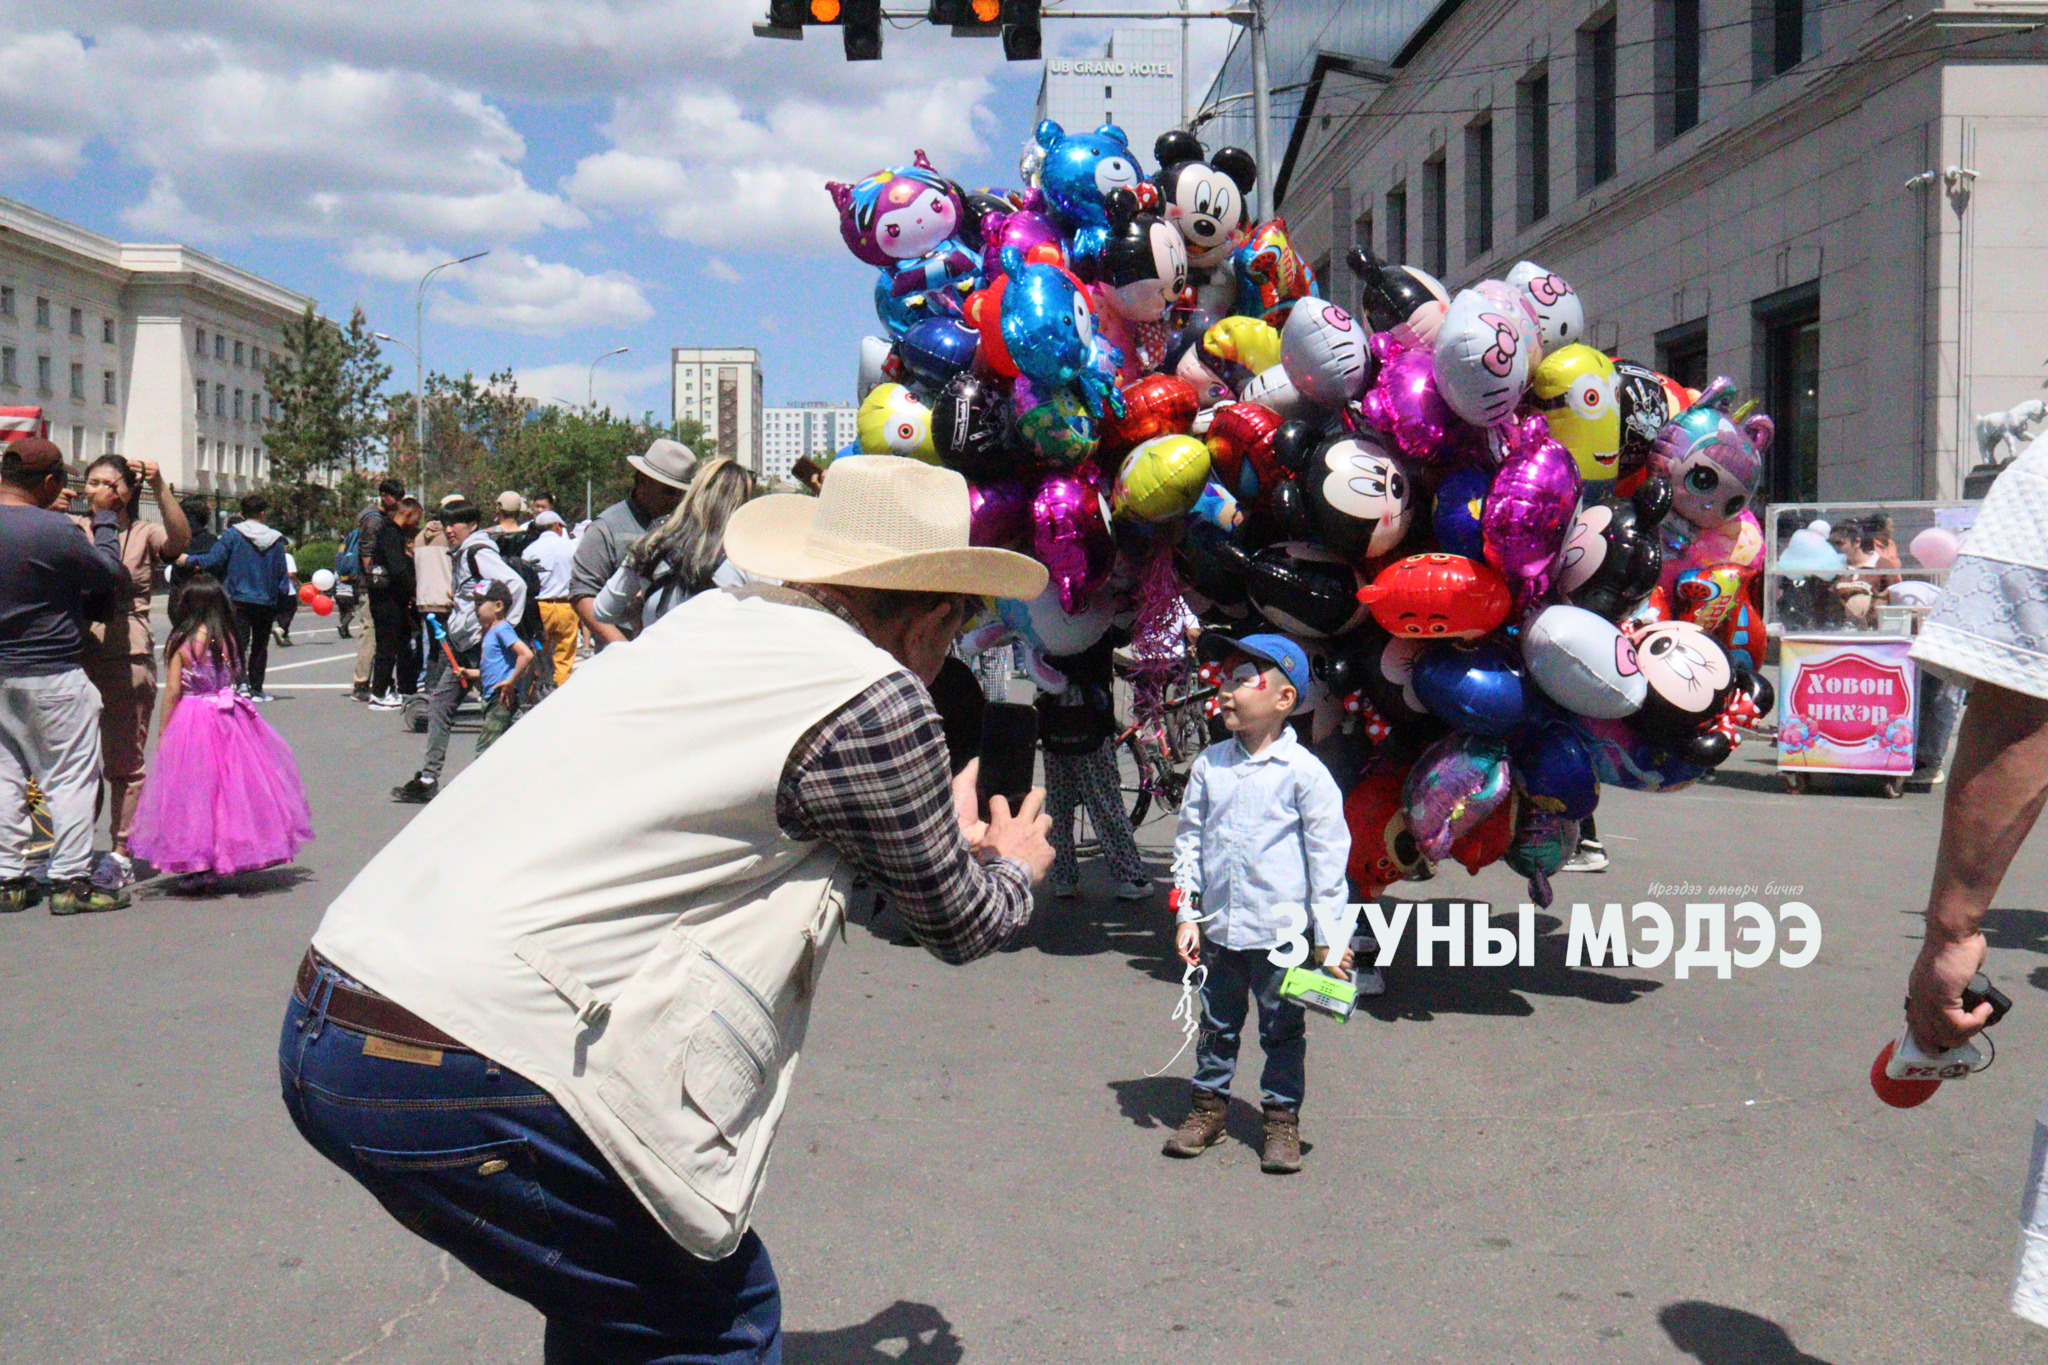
(999, 513)
(1022, 230)
(1529, 510)
(1405, 405)
(1071, 536)
(1459, 781)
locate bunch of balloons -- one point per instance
(1522, 568)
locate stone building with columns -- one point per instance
(155, 352)
(1837, 203)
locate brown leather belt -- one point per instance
(365, 1011)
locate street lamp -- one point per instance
(419, 305)
(590, 390)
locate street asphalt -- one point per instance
(1516, 1164)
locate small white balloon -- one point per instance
(323, 579)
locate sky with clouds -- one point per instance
(644, 173)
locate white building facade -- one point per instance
(1135, 84)
(790, 433)
(1837, 204)
(720, 387)
(154, 352)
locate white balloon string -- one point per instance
(1187, 1013)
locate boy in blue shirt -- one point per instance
(1262, 841)
(504, 663)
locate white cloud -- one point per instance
(718, 269)
(514, 290)
(44, 120)
(617, 384)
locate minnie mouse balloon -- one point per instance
(1529, 511)
(1482, 358)
(1071, 536)
(1357, 499)
(1614, 556)
(1690, 680)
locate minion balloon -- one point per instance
(1574, 389)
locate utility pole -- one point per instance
(1262, 109)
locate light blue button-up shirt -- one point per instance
(1258, 832)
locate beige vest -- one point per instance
(604, 903)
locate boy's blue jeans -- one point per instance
(485, 1165)
(1283, 1027)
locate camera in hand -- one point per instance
(1009, 754)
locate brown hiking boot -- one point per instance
(1202, 1128)
(1281, 1154)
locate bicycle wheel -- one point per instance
(1135, 768)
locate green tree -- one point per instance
(325, 384)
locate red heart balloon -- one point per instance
(1156, 405)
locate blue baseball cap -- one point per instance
(1290, 658)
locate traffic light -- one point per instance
(860, 24)
(1021, 38)
(967, 18)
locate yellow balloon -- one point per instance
(1162, 479)
(1248, 341)
(894, 421)
(1575, 389)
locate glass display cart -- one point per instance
(1845, 588)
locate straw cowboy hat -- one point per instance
(666, 461)
(880, 521)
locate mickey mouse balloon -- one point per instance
(1357, 499)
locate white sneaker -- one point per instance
(1590, 857)
(389, 701)
(1138, 890)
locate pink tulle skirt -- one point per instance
(223, 793)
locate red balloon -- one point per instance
(1438, 597)
(322, 604)
(1156, 405)
(1241, 433)
(307, 592)
(1383, 851)
(1487, 844)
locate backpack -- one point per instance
(348, 560)
(528, 625)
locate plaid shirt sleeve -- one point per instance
(871, 780)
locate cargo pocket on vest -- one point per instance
(693, 1085)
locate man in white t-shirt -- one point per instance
(554, 554)
(1990, 634)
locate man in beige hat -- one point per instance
(554, 1024)
(660, 478)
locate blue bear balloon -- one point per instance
(1049, 331)
(1078, 173)
(901, 312)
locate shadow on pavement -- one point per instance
(2008, 927)
(268, 881)
(1096, 922)
(1716, 1335)
(1161, 1102)
(905, 1332)
(1418, 994)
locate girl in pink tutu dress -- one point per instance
(223, 795)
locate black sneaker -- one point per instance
(417, 791)
(359, 693)
(18, 894)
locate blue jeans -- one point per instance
(1283, 1027)
(483, 1164)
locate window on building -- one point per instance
(1789, 326)
(1678, 68)
(238, 405)
(43, 373)
(7, 367)
(42, 312)
(238, 353)
(1682, 353)
(77, 442)
(1109, 92)
(1532, 148)
(1479, 187)
(113, 443)
(199, 393)
(106, 331)
(199, 453)
(77, 382)
(220, 400)
(1397, 224)
(1435, 216)
(78, 322)
(107, 386)
(1787, 33)
(199, 342)
(1596, 104)
(220, 347)
(255, 357)
(273, 407)
(6, 300)
(1361, 231)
